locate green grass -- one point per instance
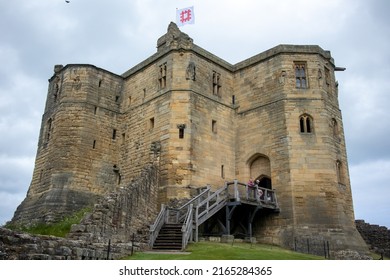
(59, 229)
(224, 251)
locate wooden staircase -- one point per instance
(169, 237)
(175, 227)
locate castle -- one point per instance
(274, 117)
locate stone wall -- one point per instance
(122, 213)
(377, 237)
(108, 232)
(21, 246)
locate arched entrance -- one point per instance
(265, 182)
(260, 168)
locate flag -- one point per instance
(185, 16)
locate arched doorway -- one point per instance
(265, 182)
(260, 168)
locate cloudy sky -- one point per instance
(118, 34)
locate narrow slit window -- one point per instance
(214, 126)
(181, 128)
(308, 125)
(48, 129)
(335, 128)
(129, 101)
(181, 133)
(340, 173)
(162, 76)
(113, 134)
(94, 144)
(151, 123)
(216, 83)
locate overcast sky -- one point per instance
(117, 34)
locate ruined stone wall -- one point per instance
(117, 220)
(120, 214)
(22, 246)
(377, 237)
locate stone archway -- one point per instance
(260, 168)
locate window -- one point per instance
(216, 83)
(214, 126)
(306, 124)
(48, 129)
(129, 101)
(335, 128)
(151, 123)
(327, 77)
(340, 172)
(181, 128)
(300, 75)
(113, 134)
(162, 76)
(222, 172)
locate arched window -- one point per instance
(300, 75)
(306, 123)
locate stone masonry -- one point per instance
(377, 237)
(274, 117)
(117, 225)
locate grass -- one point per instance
(59, 229)
(224, 251)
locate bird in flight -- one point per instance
(67, 1)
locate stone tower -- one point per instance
(274, 117)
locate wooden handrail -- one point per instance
(192, 214)
(187, 227)
(155, 228)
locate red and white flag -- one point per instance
(185, 16)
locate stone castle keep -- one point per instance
(274, 117)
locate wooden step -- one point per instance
(169, 238)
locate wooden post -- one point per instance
(236, 194)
